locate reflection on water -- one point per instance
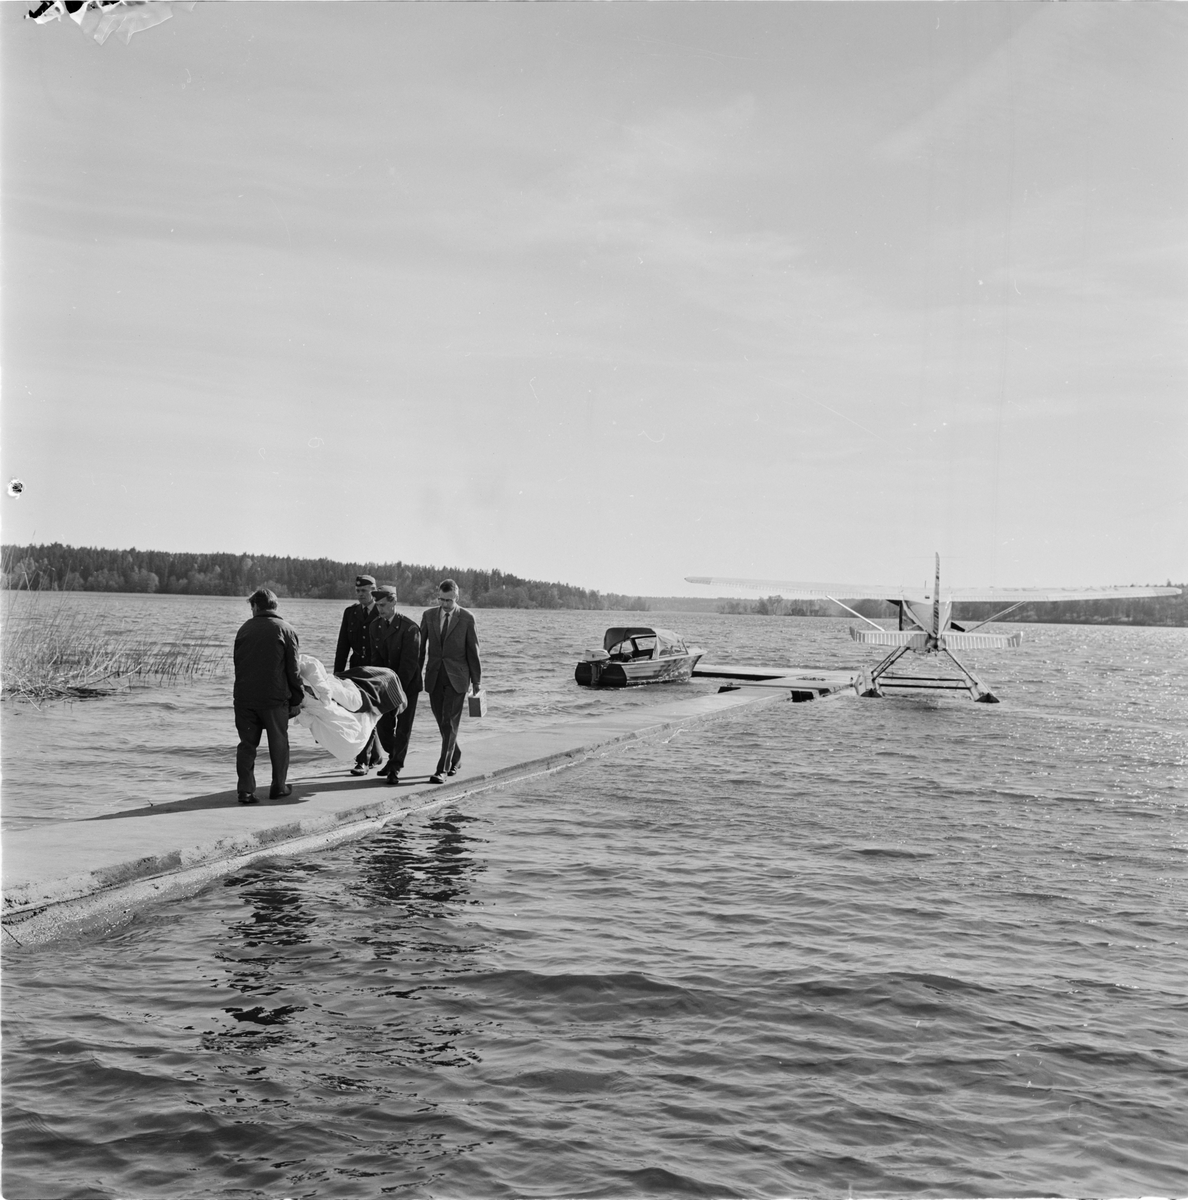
(412, 884)
(405, 881)
(393, 868)
(278, 919)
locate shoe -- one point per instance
(456, 762)
(359, 769)
(392, 779)
(453, 770)
(275, 794)
(246, 798)
(438, 778)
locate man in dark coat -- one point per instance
(267, 693)
(450, 643)
(354, 639)
(396, 643)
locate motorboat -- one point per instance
(635, 654)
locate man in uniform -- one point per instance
(396, 644)
(449, 641)
(354, 639)
(267, 693)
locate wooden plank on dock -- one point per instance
(802, 683)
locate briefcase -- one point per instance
(477, 702)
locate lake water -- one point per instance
(872, 948)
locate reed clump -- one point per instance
(52, 652)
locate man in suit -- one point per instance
(354, 638)
(449, 642)
(267, 693)
(396, 644)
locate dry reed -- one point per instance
(51, 652)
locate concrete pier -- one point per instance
(80, 875)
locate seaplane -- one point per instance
(926, 625)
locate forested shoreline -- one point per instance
(88, 569)
(56, 567)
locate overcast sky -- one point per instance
(607, 294)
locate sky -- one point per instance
(606, 294)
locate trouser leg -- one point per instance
(447, 708)
(383, 731)
(249, 728)
(370, 754)
(401, 732)
(276, 722)
(435, 707)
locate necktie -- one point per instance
(445, 624)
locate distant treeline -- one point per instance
(87, 569)
(1157, 610)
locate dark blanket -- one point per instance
(379, 687)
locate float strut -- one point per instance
(867, 682)
(977, 689)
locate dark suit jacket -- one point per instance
(266, 663)
(459, 657)
(353, 638)
(397, 644)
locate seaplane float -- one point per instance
(926, 625)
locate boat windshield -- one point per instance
(635, 645)
(633, 649)
(669, 643)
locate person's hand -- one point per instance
(294, 709)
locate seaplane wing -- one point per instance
(1042, 595)
(799, 590)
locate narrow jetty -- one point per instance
(799, 683)
(78, 876)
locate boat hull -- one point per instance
(674, 668)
